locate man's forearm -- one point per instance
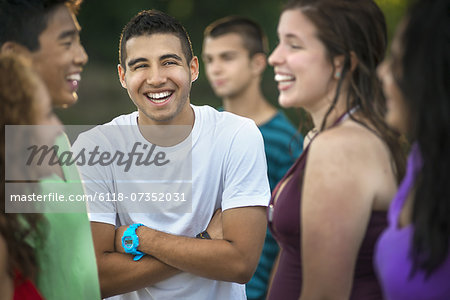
(214, 259)
(119, 274)
(233, 258)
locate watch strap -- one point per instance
(203, 235)
(131, 232)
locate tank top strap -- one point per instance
(345, 116)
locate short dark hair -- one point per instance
(253, 37)
(153, 21)
(23, 21)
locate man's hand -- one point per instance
(118, 272)
(118, 238)
(215, 229)
(233, 258)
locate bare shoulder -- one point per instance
(351, 141)
(356, 155)
(341, 154)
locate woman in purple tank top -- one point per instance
(330, 208)
(413, 254)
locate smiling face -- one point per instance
(228, 66)
(158, 79)
(302, 70)
(61, 57)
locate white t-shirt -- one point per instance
(220, 165)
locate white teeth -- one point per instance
(279, 77)
(75, 77)
(158, 97)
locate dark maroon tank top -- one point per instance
(284, 223)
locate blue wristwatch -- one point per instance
(130, 241)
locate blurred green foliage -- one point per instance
(101, 96)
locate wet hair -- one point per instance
(22, 232)
(253, 37)
(150, 22)
(23, 21)
(346, 28)
(424, 81)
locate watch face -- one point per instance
(128, 242)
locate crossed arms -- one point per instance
(238, 173)
(233, 258)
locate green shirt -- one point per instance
(68, 268)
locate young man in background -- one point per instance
(234, 54)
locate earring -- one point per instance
(337, 75)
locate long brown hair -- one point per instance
(346, 28)
(22, 232)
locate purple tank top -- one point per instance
(284, 223)
(392, 258)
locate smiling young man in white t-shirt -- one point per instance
(218, 161)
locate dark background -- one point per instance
(101, 96)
